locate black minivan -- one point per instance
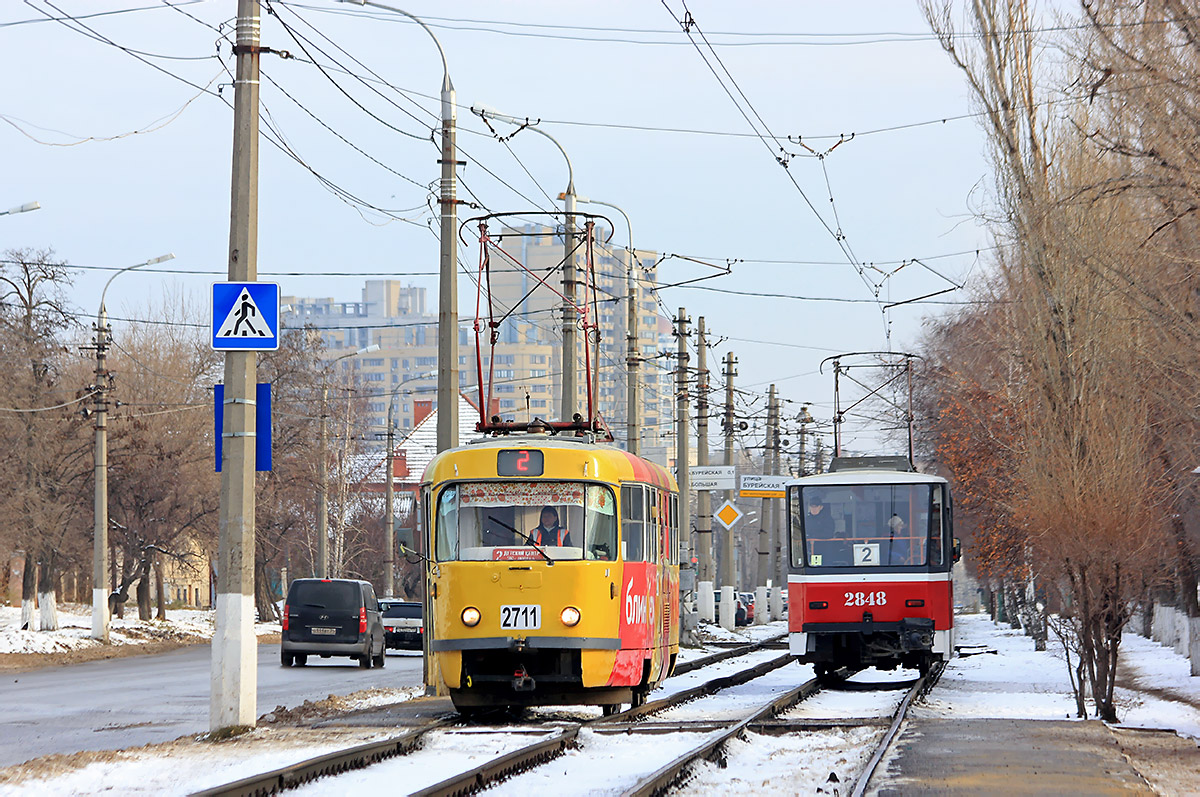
(332, 617)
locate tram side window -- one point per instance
(674, 528)
(601, 524)
(653, 527)
(795, 512)
(633, 523)
(447, 525)
(935, 529)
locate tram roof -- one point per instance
(867, 476)
(617, 463)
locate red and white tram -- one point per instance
(871, 546)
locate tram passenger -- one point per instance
(548, 531)
(898, 543)
(819, 529)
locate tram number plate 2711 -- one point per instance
(521, 618)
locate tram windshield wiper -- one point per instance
(523, 536)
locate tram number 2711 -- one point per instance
(524, 618)
(866, 598)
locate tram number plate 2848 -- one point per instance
(521, 618)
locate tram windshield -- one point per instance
(488, 521)
(866, 525)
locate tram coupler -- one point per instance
(522, 682)
(916, 633)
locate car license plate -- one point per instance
(521, 618)
(324, 631)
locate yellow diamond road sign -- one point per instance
(728, 514)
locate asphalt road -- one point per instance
(126, 702)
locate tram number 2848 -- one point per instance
(866, 598)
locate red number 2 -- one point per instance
(523, 461)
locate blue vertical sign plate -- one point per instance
(245, 316)
(262, 424)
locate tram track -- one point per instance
(364, 755)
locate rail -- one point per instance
(921, 687)
(364, 755)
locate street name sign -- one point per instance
(245, 316)
(763, 486)
(711, 477)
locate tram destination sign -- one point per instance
(711, 477)
(762, 486)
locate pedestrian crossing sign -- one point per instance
(245, 316)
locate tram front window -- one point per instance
(488, 521)
(865, 525)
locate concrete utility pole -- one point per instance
(805, 419)
(570, 316)
(681, 432)
(782, 534)
(633, 360)
(233, 700)
(448, 369)
(389, 515)
(728, 565)
(100, 617)
(100, 585)
(323, 484)
(762, 613)
(705, 600)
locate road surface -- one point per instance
(136, 700)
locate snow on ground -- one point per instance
(1153, 667)
(1018, 682)
(1014, 682)
(603, 764)
(442, 754)
(75, 629)
(737, 702)
(714, 638)
(796, 763)
(185, 766)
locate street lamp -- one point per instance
(389, 522)
(448, 370)
(28, 206)
(568, 328)
(323, 476)
(100, 457)
(632, 359)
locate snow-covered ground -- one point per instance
(75, 629)
(1013, 682)
(1018, 682)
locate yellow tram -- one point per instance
(553, 573)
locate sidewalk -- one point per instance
(1003, 723)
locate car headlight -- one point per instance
(570, 616)
(471, 617)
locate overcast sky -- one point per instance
(614, 82)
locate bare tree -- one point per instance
(43, 480)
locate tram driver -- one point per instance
(549, 531)
(820, 531)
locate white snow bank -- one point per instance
(75, 629)
(187, 769)
(1018, 682)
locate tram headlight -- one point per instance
(471, 617)
(570, 616)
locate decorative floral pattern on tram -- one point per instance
(522, 493)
